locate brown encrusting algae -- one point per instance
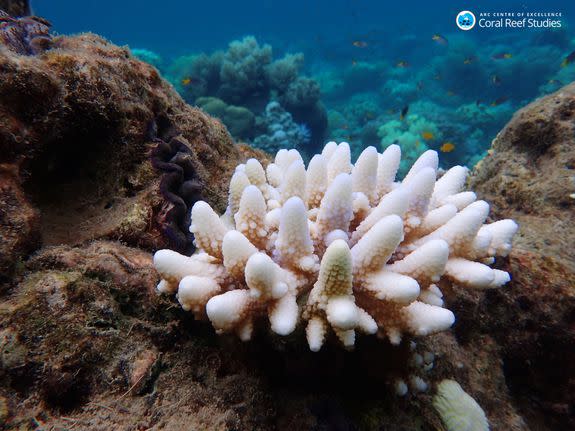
(77, 126)
(101, 163)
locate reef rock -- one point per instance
(530, 177)
(15, 7)
(78, 123)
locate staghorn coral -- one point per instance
(28, 35)
(340, 246)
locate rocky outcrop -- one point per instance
(15, 7)
(530, 177)
(77, 127)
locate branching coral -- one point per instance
(28, 35)
(341, 247)
(409, 135)
(277, 130)
(242, 70)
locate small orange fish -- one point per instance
(402, 64)
(447, 147)
(186, 81)
(469, 60)
(359, 43)
(502, 56)
(417, 144)
(427, 135)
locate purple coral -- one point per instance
(29, 35)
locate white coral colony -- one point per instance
(341, 248)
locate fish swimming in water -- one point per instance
(439, 39)
(427, 135)
(447, 147)
(189, 80)
(502, 56)
(404, 112)
(499, 101)
(568, 60)
(402, 64)
(359, 43)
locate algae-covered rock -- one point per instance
(530, 177)
(15, 7)
(77, 125)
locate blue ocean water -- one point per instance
(400, 72)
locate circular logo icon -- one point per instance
(465, 20)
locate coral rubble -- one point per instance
(342, 247)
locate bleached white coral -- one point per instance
(457, 409)
(337, 247)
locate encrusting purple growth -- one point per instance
(180, 187)
(29, 35)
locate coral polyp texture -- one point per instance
(339, 248)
